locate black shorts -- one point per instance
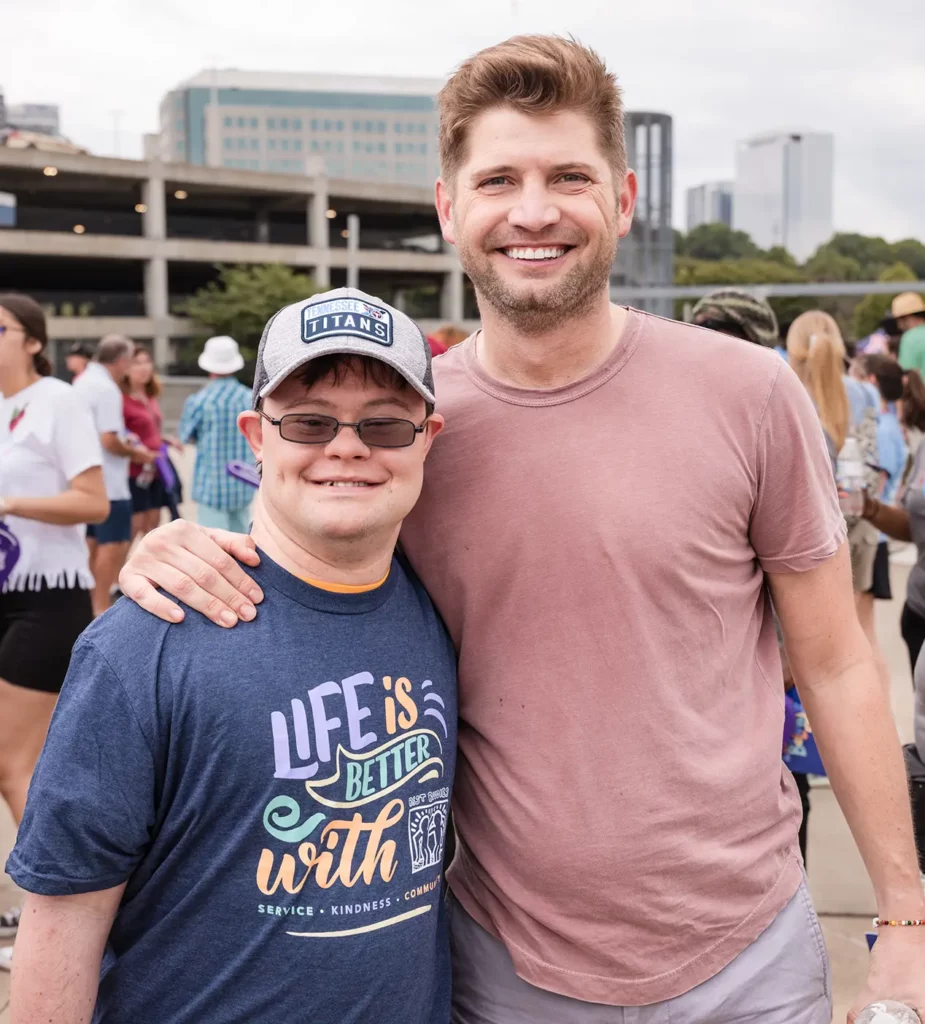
(881, 588)
(146, 498)
(38, 629)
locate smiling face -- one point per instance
(535, 214)
(344, 491)
(16, 347)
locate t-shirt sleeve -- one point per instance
(109, 415)
(796, 522)
(91, 808)
(76, 439)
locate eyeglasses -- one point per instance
(4, 329)
(309, 428)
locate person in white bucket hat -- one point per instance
(210, 420)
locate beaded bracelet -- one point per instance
(881, 922)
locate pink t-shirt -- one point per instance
(598, 551)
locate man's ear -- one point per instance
(250, 423)
(444, 204)
(435, 424)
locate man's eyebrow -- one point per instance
(377, 403)
(491, 172)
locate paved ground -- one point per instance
(840, 886)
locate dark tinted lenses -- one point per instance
(303, 428)
(387, 433)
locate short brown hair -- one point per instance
(533, 75)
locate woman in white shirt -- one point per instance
(51, 484)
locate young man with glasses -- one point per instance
(263, 821)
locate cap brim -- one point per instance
(346, 347)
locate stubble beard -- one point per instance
(542, 308)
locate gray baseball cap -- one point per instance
(344, 321)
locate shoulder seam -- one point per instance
(764, 411)
(122, 687)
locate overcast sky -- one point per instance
(724, 69)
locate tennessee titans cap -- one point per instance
(344, 321)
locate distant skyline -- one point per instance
(840, 66)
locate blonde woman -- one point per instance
(816, 351)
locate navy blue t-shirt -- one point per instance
(276, 797)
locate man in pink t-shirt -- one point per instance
(614, 501)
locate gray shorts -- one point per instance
(782, 978)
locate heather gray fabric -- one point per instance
(343, 321)
(782, 978)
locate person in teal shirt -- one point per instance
(908, 313)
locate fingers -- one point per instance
(138, 589)
(239, 545)
(188, 564)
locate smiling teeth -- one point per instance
(345, 483)
(534, 254)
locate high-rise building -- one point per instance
(355, 127)
(783, 190)
(42, 118)
(710, 203)
(646, 255)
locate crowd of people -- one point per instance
(262, 813)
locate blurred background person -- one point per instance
(77, 358)
(210, 421)
(887, 376)
(445, 338)
(51, 484)
(908, 313)
(739, 314)
(846, 406)
(912, 411)
(100, 386)
(143, 419)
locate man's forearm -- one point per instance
(59, 949)
(857, 738)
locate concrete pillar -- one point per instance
(353, 251)
(262, 219)
(154, 223)
(452, 296)
(318, 227)
(157, 308)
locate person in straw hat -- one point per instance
(210, 419)
(908, 314)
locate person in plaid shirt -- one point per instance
(210, 419)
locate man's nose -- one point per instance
(535, 209)
(346, 444)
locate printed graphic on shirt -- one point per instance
(17, 416)
(366, 808)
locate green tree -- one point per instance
(689, 271)
(779, 254)
(873, 308)
(911, 252)
(829, 265)
(717, 242)
(873, 254)
(243, 298)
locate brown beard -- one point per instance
(542, 309)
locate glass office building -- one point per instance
(351, 127)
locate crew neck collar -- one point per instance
(270, 574)
(603, 372)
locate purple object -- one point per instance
(165, 469)
(9, 552)
(243, 471)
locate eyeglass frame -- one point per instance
(15, 327)
(339, 423)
